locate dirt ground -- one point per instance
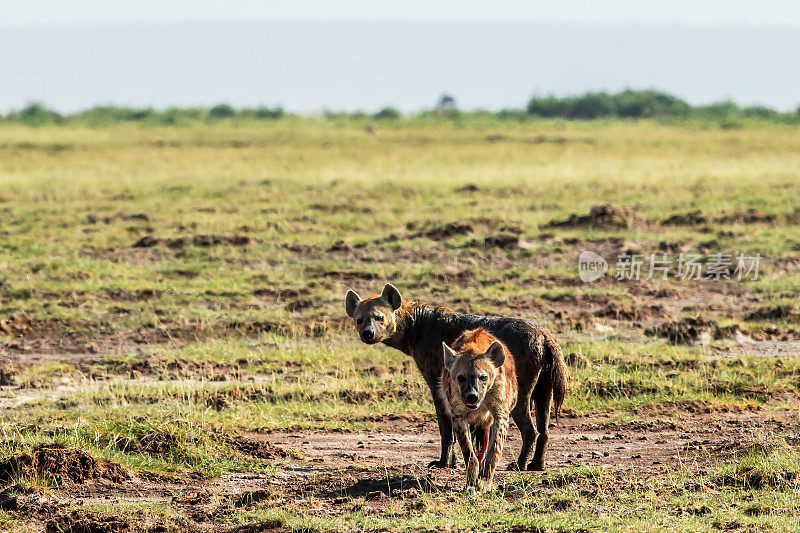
(331, 470)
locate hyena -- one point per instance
(480, 387)
(419, 330)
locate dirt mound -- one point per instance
(692, 218)
(88, 522)
(605, 215)
(133, 295)
(686, 331)
(7, 373)
(757, 478)
(150, 443)
(745, 217)
(258, 527)
(149, 241)
(440, 233)
(623, 311)
(18, 325)
(505, 240)
(577, 360)
(61, 464)
(392, 486)
(772, 333)
(774, 312)
(692, 330)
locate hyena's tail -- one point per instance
(559, 375)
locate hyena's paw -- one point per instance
(485, 486)
(441, 464)
(514, 467)
(470, 489)
(536, 465)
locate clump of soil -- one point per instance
(605, 215)
(260, 527)
(224, 398)
(149, 241)
(440, 233)
(88, 522)
(505, 240)
(686, 331)
(774, 312)
(758, 479)
(7, 373)
(17, 325)
(245, 499)
(623, 311)
(745, 217)
(692, 218)
(578, 321)
(261, 327)
(577, 360)
(692, 330)
(61, 464)
(772, 333)
(151, 443)
(133, 295)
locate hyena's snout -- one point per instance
(471, 397)
(367, 334)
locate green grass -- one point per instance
(111, 344)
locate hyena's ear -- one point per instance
(496, 354)
(351, 301)
(449, 356)
(392, 296)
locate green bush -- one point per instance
(268, 113)
(112, 114)
(387, 113)
(650, 104)
(221, 111)
(547, 107)
(626, 104)
(35, 114)
(593, 105)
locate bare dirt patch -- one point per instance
(690, 218)
(148, 241)
(695, 330)
(61, 464)
(605, 215)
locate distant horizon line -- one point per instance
(323, 110)
(481, 22)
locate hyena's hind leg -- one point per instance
(524, 421)
(447, 458)
(542, 397)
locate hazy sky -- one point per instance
(309, 55)
(685, 12)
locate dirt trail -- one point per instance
(388, 464)
(646, 445)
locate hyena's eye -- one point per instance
(483, 377)
(461, 379)
(359, 320)
(379, 319)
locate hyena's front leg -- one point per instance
(464, 437)
(497, 439)
(447, 459)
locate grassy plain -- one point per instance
(171, 300)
